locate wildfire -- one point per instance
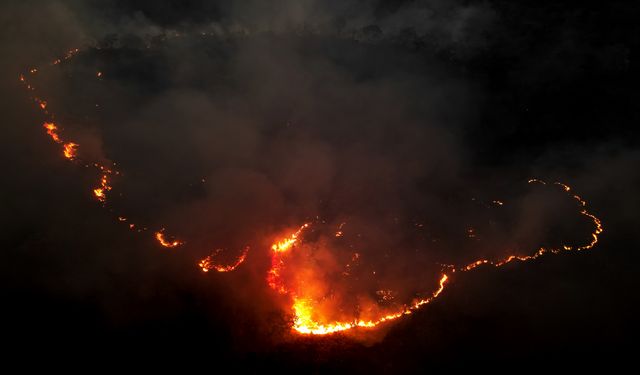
(309, 318)
(541, 251)
(207, 264)
(277, 262)
(101, 192)
(286, 244)
(163, 242)
(305, 323)
(52, 130)
(70, 150)
(306, 320)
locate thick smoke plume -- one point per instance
(234, 124)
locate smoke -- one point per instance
(235, 123)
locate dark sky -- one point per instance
(379, 113)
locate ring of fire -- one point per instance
(305, 317)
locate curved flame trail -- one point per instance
(304, 321)
(207, 264)
(163, 242)
(101, 192)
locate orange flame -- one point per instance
(304, 322)
(101, 192)
(598, 229)
(208, 264)
(163, 242)
(277, 263)
(306, 317)
(52, 131)
(285, 244)
(70, 150)
(308, 320)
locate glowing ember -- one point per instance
(208, 263)
(306, 323)
(285, 244)
(310, 318)
(309, 313)
(52, 131)
(541, 251)
(101, 192)
(163, 242)
(278, 248)
(307, 320)
(69, 150)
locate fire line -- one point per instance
(305, 316)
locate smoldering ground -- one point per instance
(363, 112)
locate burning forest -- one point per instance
(318, 303)
(369, 186)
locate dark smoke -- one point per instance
(233, 122)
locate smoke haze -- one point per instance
(235, 123)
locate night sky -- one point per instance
(412, 125)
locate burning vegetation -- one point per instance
(315, 267)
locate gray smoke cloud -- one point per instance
(236, 122)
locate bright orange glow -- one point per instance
(69, 54)
(309, 318)
(101, 192)
(208, 263)
(70, 150)
(285, 244)
(305, 323)
(541, 251)
(279, 248)
(52, 131)
(163, 242)
(309, 315)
